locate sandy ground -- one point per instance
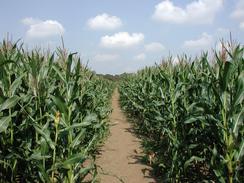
(119, 159)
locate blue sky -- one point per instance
(123, 36)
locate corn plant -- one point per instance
(53, 114)
(190, 116)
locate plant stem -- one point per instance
(54, 151)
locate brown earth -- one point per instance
(120, 157)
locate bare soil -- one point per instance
(120, 157)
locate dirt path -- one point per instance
(120, 156)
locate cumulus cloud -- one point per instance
(203, 42)
(41, 29)
(122, 40)
(238, 13)
(242, 25)
(105, 57)
(140, 56)
(30, 21)
(104, 22)
(199, 12)
(154, 47)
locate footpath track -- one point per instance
(119, 159)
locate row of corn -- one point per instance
(190, 116)
(53, 115)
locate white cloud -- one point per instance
(105, 57)
(238, 13)
(199, 12)
(42, 29)
(242, 25)
(30, 21)
(140, 56)
(203, 42)
(154, 47)
(104, 22)
(122, 40)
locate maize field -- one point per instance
(53, 116)
(190, 116)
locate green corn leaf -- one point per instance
(38, 156)
(238, 120)
(43, 146)
(68, 68)
(77, 139)
(9, 103)
(241, 152)
(226, 75)
(193, 146)
(83, 172)
(16, 84)
(191, 160)
(60, 74)
(46, 136)
(74, 159)
(90, 118)
(50, 61)
(4, 123)
(5, 62)
(194, 119)
(60, 104)
(220, 177)
(240, 90)
(43, 174)
(77, 68)
(76, 125)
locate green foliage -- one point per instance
(53, 114)
(190, 116)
